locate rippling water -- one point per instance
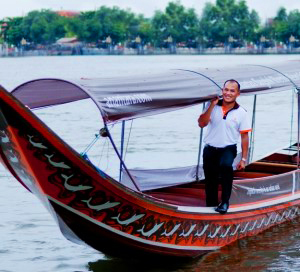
(29, 237)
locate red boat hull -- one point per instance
(94, 208)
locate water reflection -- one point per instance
(138, 266)
(277, 249)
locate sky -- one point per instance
(11, 8)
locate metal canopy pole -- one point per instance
(298, 138)
(122, 149)
(251, 151)
(119, 156)
(292, 117)
(200, 149)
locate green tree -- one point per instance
(43, 27)
(283, 26)
(178, 22)
(87, 27)
(294, 23)
(14, 33)
(280, 27)
(229, 18)
(146, 30)
(119, 24)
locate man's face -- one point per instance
(230, 92)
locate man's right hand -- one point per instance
(204, 118)
(214, 101)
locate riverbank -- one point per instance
(67, 51)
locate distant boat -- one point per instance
(160, 212)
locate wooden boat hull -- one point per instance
(93, 208)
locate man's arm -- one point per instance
(245, 147)
(204, 118)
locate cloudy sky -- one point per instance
(265, 8)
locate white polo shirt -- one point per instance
(224, 128)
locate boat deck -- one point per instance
(193, 194)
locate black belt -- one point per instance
(220, 148)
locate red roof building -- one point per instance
(68, 13)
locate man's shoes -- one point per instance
(222, 208)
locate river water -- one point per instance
(30, 239)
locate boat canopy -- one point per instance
(124, 98)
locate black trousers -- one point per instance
(217, 165)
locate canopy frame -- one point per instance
(178, 102)
(133, 97)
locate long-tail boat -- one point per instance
(146, 212)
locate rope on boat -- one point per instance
(125, 153)
(120, 158)
(97, 136)
(106, 144)
(106, 133)
(103, 133)
(122, 149)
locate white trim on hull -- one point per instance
(132, 237)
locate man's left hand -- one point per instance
(241, 165)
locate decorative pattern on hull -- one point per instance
(51, 172)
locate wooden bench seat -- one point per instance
(268, 167)
(280, 157)
(249, 175)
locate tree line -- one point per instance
(222, 22)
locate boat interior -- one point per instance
(193, 194)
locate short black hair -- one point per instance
(233, 80)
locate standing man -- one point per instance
(226, 120)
